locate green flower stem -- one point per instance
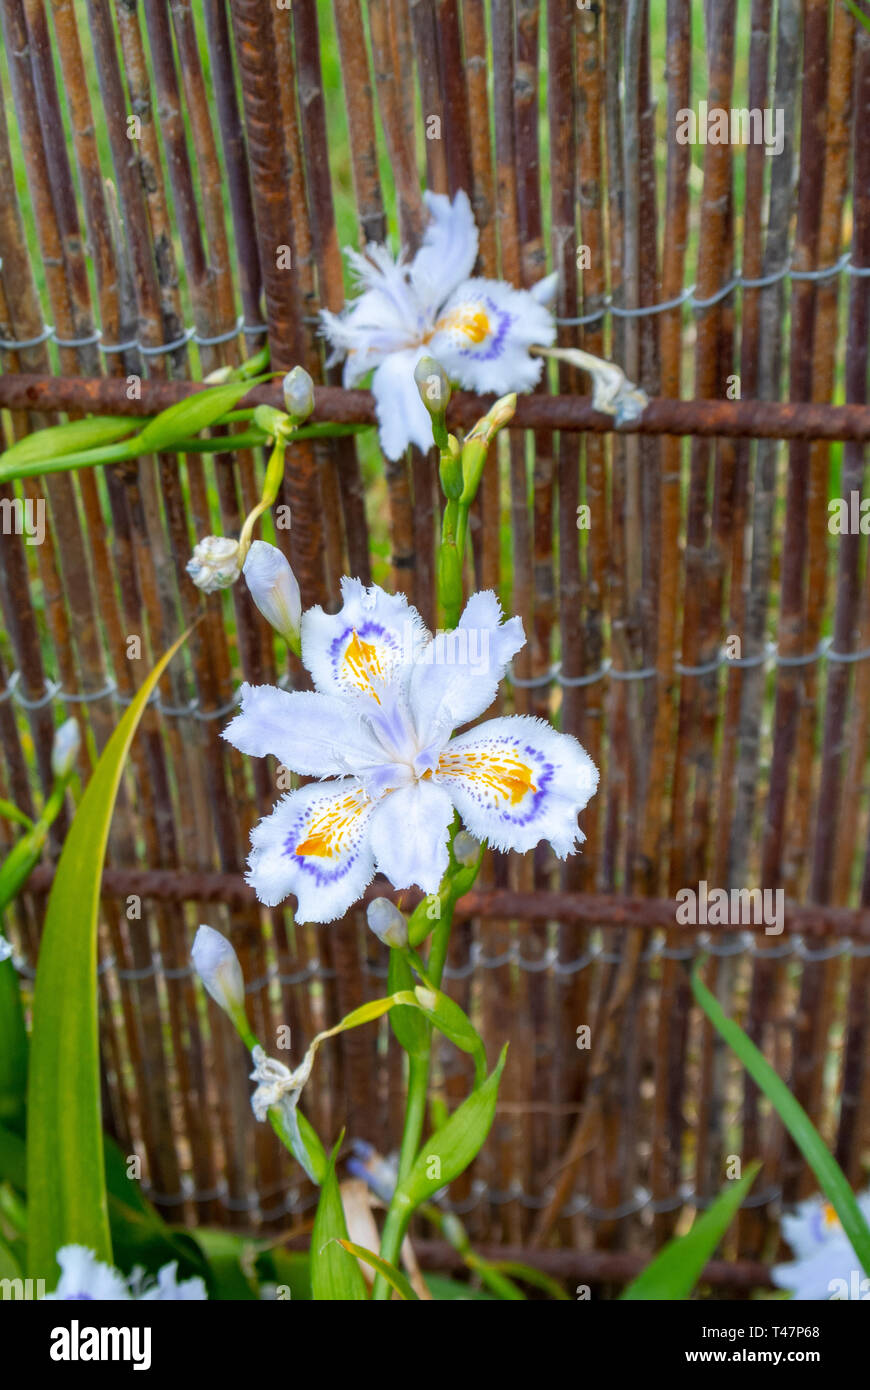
(271, 486)
(127, 449)
(415, 1108)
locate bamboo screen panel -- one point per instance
(176, 184)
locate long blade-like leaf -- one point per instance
(832, 1179)
(335, 1275)
(677, 1268)
(394, 1277)
(66, 1186)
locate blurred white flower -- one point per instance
(275, 590)
(430, 306)
(825, 1265)
(217, 965)
(216, 563)
(65, 749)
(6, 948)
(85, 1278)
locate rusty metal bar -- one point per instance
(708, 418)
(591, 1266)
(598, 909)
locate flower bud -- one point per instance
(275, 590)
(433, 385)
(387, 922)
(298, 394)
(466, 849)
(216, 563)
(276, 424)
(65, 749)
(503, 411)
(217, 965)
(219, 376)
(427, 998)
(450, 469)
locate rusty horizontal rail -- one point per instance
(588, 1266)
(710, 418)
(597, 909)
(592, 1266)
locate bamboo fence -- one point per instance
(169, 151)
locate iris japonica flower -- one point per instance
(379, 725)
(825, 1265)
(84, 1277)
(430, 305)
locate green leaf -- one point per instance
(832, 1179)
(13, 1050)
(408, 1024)
(451, 1020)
(140, 1236)
(65, 1165)
(676, 1269)
(57, 440)
(289, 1269)
(20, 862)
(529, 1275)
(13, 1159)
(228, 1258)
(394, 1277)
(9, 811)
(335, 1275)
(444, 1290)
(454, 1145)
(194, 413)
(9, 1266)
(299, 1136)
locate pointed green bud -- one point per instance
(450, 469)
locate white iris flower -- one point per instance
(379, 724)
(85, 1278)
(479, 330)
(825, 1265)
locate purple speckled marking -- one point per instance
(314, 865)
(496, 343)
(364, 632)
(544, 772)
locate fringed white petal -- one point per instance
(368, 646)
(314, 844)
(516, 781)
(811, 1279)
(83, 1276)
(457, 676)
(409, 835)
(545, 290)
(483, 335)
(448, 251)
(315, 734)
(402, 417)
(170, 1289)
